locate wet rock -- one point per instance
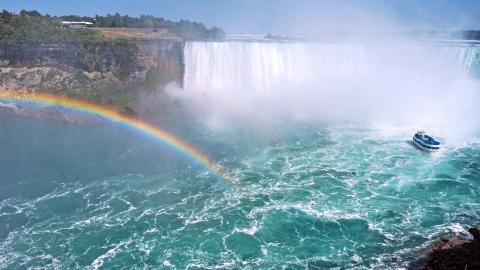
(451, 252)
(475, 232)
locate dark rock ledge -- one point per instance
(451, 252)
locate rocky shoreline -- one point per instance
(451, 253)
(48, 113)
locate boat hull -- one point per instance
(425, 147)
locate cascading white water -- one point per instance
(427, 85)
(258, 66)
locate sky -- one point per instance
(281, 16)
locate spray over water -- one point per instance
(384, 83)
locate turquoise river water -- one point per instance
(323, 196)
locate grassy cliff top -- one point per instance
(136, 33)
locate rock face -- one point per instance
(51, 77)
(452, 252)
(164, 58)
(131, 59)
(112, 73)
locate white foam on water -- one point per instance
(12, 106)
(100, 260)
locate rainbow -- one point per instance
(135, 124)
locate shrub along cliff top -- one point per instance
(33, 27)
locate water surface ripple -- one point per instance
(339, 196)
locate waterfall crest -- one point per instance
(261, 66)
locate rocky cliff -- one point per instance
(111, 72)
(129, 59)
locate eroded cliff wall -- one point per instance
(115, 74)
(129, 60)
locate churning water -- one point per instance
(314, 187)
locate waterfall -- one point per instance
(429, 85)
(261, 66)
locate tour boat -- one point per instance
(425, 142)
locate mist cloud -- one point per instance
(390, 83)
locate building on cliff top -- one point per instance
(67, 24)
